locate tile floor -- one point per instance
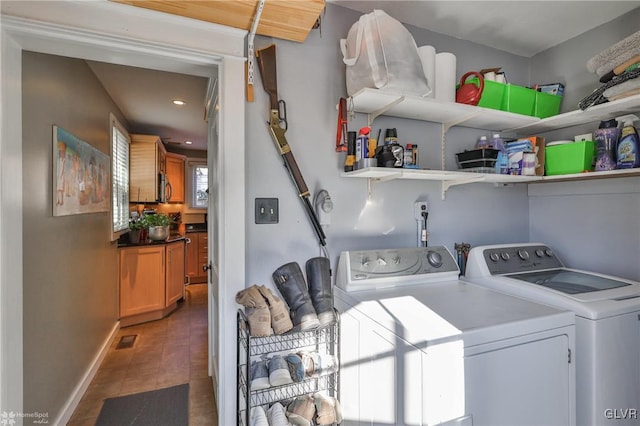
(166, 353)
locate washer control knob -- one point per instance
(505, 256)
(365, 261)
(494, 257)
(539, 252)
(435, 259)
(548, 252)
(381, 261)
(523, 254)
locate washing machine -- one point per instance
(607, 313)
(420, 347)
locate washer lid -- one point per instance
(570, 282)
(448, 311)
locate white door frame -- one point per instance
(110, 32)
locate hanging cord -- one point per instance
(424, 234)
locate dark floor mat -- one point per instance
(162, 407)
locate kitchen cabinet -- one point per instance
(151, 281)
(175, 177)
(197, 257)
(375, 103)
(175, 276)
(147, 162)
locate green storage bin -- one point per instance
(492, 93)
(569, 157)
(546, 105)
(518, 99)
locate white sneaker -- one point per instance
(258, 417)
(276, 415)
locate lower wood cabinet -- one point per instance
(197, 257)
(151, 281)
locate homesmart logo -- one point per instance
(11, 418)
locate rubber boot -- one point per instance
(320, 290)
(292, 286)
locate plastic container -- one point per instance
(492, 93)
(482, 157)
(606, 137)
(628, 145)
(546, 105)
(567, 157)
(518, 99)
(502, 161)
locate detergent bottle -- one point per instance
(627, 151)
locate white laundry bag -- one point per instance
(380, 53)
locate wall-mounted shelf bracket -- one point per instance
(251, 52)
(373, 115)
(446, 184)
(386, 178)
(444, 128)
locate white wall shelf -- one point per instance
(453, 178)
(375, 102)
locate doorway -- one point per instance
(61, 28)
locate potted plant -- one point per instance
(158, 226)
(136, 226)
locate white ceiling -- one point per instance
(145, 98)
(519, 27)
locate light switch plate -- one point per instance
(266, 210)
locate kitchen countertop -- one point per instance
(124, 241)
(196, 227)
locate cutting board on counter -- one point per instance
(288, 20)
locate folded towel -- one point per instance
(596, 96)
(632, 84)
(624, 95)
(615, 55)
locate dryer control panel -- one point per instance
(371, 269)
(520, 258)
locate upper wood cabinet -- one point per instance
(146, 165)
(175, 177)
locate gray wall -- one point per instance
(70, 267)
(311, 80)
(593, 225)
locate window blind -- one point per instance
(120, 176)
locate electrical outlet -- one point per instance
(266, 210)
(418, 208)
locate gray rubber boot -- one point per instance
(320, 290)
(292, 286)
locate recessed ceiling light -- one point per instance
(188, 142)
(179, 102)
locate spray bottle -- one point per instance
(627, 151)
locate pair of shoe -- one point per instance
(311, 305)
(274, 416)
(265, 311)
(273, 371)
(316, 363)
(321, 408)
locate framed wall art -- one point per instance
(81, 176)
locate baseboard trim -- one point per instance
(75, 397)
